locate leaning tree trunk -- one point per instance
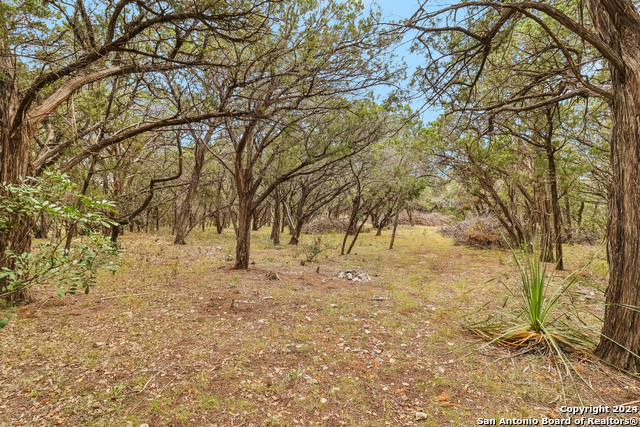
(15, 164)
(353, 222)
(621, 331)
(185, 211)
(395, 224)
(357, 233)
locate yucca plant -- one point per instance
(539, 317)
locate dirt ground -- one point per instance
(176, 338)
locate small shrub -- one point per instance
(484, 239)
(49, 263)
(477, 231)
(326, 225)
(315, 248)
(431, 219)
(582, 236)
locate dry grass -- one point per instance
(177, 339)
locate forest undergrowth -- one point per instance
(177, 338)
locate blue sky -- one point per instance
(395, 10)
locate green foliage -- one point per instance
(70, 270)
(315, 248)
(541, 319)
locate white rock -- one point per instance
(323, 400)
(420, 416)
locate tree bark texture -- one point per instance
(618, 24)
(15, 163)
(243, 243)
(546, 239)
(244, 180)
(553, 184)
(275, 224)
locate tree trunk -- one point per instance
(383, 222)
(85, 187)
(256, 220)
(357, 233)
(243, 176)
(395, 224)
(185, 211)
(380, 226)
(297, 231)
(233, 217)
(580, 214)
(546, 239)
(115, 233)
(353, 221)
(219, 218)
(284, 217)
(15, 163)
(567, 210)
(243, 242)
(616, 22)
(42, 231)
(175, 218)
(553, 183)
(299, 216)
(287, 218)
(375, 220)
(275, 224)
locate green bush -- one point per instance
(55, 195)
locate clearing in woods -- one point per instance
(176, 338)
